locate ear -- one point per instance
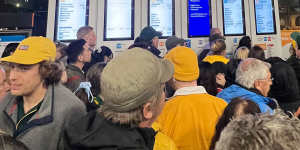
(147, 112)
(257, 85)
(80, 57)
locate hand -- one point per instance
(220, 79)
(297, 113)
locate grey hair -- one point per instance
(261, 132)
(82, 31)
(250, 70)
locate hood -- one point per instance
(95, 132)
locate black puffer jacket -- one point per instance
(94, 132)
(285, 88)
(295, 64)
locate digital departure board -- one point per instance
(233, 17)
(119, 20)
(161, 16)
(70, 16)
(264, 17)
(199, 18)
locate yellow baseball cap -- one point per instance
(33, 50)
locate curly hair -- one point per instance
(50, 72)
(261, 132)
(94, 75)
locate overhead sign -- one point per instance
(119, 20)
(264, 17)
(70, 16)
(233, 16)
(199, 19)
(161, 16)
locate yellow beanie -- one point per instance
(185, 63)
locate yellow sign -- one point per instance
(286, 36)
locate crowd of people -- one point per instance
(55, 96)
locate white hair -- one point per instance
(261, 132)
(82, 31)
(250, 70)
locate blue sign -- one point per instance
(12, 38)
(188, 43)
(119, 45)
(198, 18)
(235, 40)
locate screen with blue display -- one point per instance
(264, 16)
(233, 17)
(12, 38)
(161, 16)
(199, 19)
(119, 20)
(70, 16)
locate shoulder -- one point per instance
(222, 59)
(193, 100)
(65, 96)
(228, 91)
(208, 58)
(164, 142)
(292, 60)
(6, 100)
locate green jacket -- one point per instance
(75, 76)
(44, 131)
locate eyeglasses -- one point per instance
(270, 79)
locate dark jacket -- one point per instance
(203, 54)
(94, 132)
(147, 46)
(96, 57)
(285, 85)
(75, 76)
(44, 131)
(295, 63)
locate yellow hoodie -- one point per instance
(162, 142)
(190, 117)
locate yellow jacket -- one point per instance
(162, 142)
(190, 117)
(214, 58)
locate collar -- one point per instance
(43, 116)
(74, 68)
(190, 90)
